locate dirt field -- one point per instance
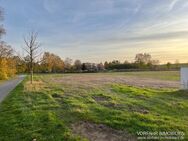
(101, 79)
(100, 132)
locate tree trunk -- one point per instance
(31, 76)
(31, 71)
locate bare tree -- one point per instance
(5, 50)
(32, 50)
(142, 58)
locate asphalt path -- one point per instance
(8, 86)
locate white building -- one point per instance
(184, 78)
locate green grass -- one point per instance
(162, 75)
(46, 113)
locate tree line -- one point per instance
(47, 62)
(52, 63)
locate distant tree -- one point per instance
(115, 62)
(52, 63)
(32, 49)
(106, 65)
(58, 64)
(126, 62)
(84, 67)
(47, 62)
(90, 67)
(100, 66)
(77, 65)
(142, 58)
(177, 64)
(68, 64)
(21, 65)
(168, 65)
(153, 64)
(5, 50)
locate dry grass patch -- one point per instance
(35, 87)
(101, 98)
(96, 80)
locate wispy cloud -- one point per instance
(51, 6)
(173, 4)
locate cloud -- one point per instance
(161, 36)
(172, 4)
(51, 6)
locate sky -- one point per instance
(101, 30)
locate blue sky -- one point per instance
(99, 30)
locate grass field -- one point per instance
(163, 75)
(75, 107)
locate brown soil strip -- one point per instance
(100, 132)
(97, 80)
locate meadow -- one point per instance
(94, 106)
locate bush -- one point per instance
(7, 68)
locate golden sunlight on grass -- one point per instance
(35, 87)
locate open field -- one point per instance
(162, 75)
(98, 107)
